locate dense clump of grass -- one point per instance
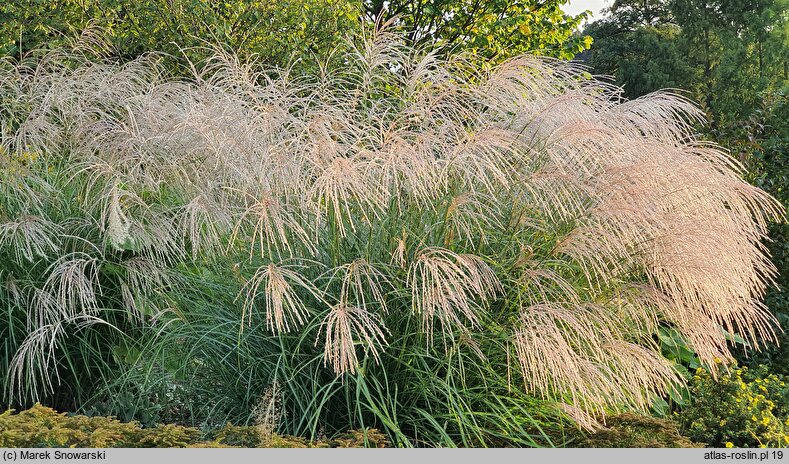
(405, 242)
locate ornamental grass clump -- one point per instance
(397, 210)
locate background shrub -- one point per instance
(743, 407)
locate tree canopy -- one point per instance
(499, 29)
(275, 31)
(280, 32)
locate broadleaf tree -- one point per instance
(497, 29)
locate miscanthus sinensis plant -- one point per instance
(526, 215)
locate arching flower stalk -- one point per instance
(449, 288)
(284, 306)
(342, 329)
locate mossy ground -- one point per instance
(635, 431)
(40, 426)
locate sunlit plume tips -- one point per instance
(342, 329)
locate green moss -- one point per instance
(233, 435)
(43, 427)
(370, 438)
(634, 431)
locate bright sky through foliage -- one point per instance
(575, 7)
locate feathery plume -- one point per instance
(284, 306)
(344, 327)
(449, 287)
